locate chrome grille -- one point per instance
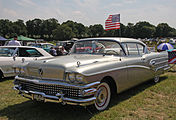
(48, 89)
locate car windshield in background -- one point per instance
(97, 47)
(7, 52)
(35, 45)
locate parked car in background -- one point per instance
(45, 46)
(11, 55)
(96, 69)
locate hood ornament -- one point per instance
(78, 63)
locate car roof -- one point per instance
(40, 44)
(45, 43)
(118, 39)
(43, 52)
(17, 46)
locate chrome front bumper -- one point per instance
(86, 91)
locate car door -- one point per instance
(137, 69)
(7, 63)
(28, 54)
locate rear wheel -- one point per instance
(103, 96)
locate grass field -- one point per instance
(146, 101)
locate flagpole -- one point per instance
(120, 29)
(120, 34)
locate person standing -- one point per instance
(14, 42)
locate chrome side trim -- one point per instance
(9, 72)
(161, 67)
(119, 68)
(160, 58)
(165, 61)
(167, 68)
(36, 81)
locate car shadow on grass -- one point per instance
(134, 91)
(7, 78)
(52, 111)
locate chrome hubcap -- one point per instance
(102, 96)
(156, 79)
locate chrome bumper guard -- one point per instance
(87, 90)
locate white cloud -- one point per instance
(129, 1)
(9, 12)
(26, 3)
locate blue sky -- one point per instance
(90, 12)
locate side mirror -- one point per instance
(14, 57)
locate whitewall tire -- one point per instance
(103, 96)
(156, 79)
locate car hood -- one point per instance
(74, 60)
(55, 68)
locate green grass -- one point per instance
(146, 101)
(174, 46)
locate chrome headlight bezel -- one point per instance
(75, 77)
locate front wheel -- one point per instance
(156, 79)
(103, 96)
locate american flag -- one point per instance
(113, 22)
(172, 57)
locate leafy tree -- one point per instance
(34, 27)
(47, 27)
(129, 32)
(96, 30)
(77, 28)
(19, 27)
(144, 30)
(163, 30)
(5, 27)
(63, 32)
(50, 28)
(81, 30)
(172, 33)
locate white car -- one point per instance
(11, 55)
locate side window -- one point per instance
(29, 52)
(132, 49)
(125, 47)
(140, 49)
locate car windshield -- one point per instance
(35, 45)
(6, 52)
(104, 47)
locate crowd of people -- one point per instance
(55, 51)
(58, 51)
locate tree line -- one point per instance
(51, 29)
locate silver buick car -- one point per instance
(95, 69)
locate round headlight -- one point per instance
(75, 77)
(22, 70)
(19, 70)
(71, 77)
(79, 77)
